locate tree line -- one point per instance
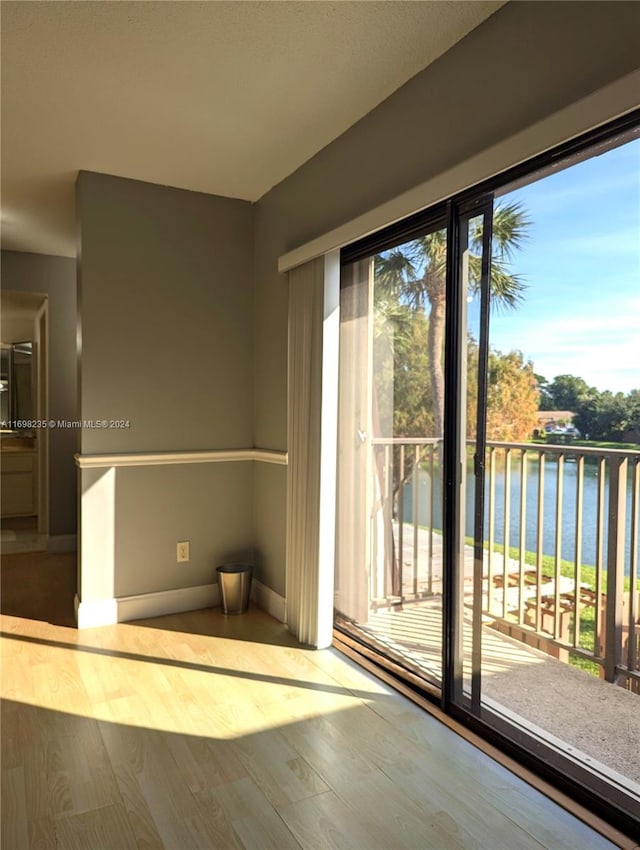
(607, 416)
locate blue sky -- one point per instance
(581, 265)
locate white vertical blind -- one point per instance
(354, 490)
(312, 428)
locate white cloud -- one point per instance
(601, 346)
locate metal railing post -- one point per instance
(506, 531)
(600, 512)
(523, 535)
(415, 516)
(539, 539)
(492, 526)
(632, 646)
(400, 553)
(557, 569)
(615, 567)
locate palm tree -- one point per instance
(415, 274)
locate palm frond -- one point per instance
(507, 289)
(394, 268)
(511, 228)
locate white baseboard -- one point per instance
(269, 601)
(167, 602)
(106, 612)
(62, 543)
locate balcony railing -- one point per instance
(560, 567)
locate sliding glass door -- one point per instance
(489, 494)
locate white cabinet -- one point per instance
(18, 479)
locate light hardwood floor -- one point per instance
(204, 731)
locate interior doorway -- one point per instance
(34, 583)
(24, 442)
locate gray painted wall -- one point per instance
(165, 301)
(524, 63)
(207, 504)
(165, 296)
(56, 278)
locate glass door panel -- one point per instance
(389, 576)
(548, 600)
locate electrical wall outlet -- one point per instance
(183, 551)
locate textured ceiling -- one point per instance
(220, 97)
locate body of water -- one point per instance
(568, 517)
